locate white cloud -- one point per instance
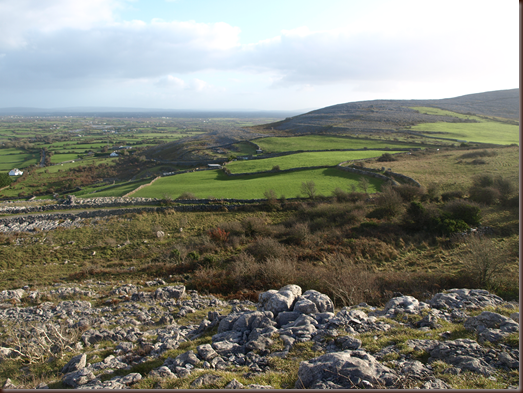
(21, 19)
(64, 44)
(174, 83)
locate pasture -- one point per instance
(57, 158)
(324, 142)
(300, 160)
(482, 131)
(453, 172)
(215, 183)
(115, 191)
(17, 158)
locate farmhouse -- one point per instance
(214, 166)
(15, 172)
(113, 154)
(259, 151)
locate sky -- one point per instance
(287, 55)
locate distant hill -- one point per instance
(383, 115)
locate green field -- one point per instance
(215, 183)
(300, 160)
(16, 158)
(57, 158)
(484, 131)
(117, 191)
(82, 162)
(323, 142)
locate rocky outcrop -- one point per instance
(141, 324)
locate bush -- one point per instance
(485, 260)
(276, 168)
(484, 195)
(433, 192)
(266, 248)
(233, 227)
(388, 202)
(340, 195)
(478, 162)
(484, 180)
(478, 154)
(219, 235)
(272, 200)
(505, 188)
(409, 192)
(347, 283)
(186, 196)
(253, 226)
(462, 210)
(450, 195)
(386, 157)
(5, 180)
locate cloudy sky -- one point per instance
(252, 54)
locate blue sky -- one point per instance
(250, 54)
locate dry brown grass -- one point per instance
(450, 170)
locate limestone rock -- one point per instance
(348, 369)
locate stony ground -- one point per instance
(102, 335)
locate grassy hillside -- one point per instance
(481, 130)
(455, 169)
(324, 142)
(216, 184)
(302, 160)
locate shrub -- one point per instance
(505, 188)
(433, 192)
(276, 168)
(347, 283)
(478, 154)
(485, 260)
(233, 227)
(186, 196)
(485, 195)
(272, 200)
(484, 180)
(386, 157)
(462, 210)
(253, 226)
(266, 248)
(219, 235)
(409, 192)
(5, 180)
(388, 202)
(340, 195)
(299, 233)
(450, 195)
(194, 255)
(478, 162)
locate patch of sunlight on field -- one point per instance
(215, 183)
(482, 131)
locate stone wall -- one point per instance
(368, 173)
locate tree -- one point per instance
(485, 261)
(308, 188)
(364, 184)
(5, 180)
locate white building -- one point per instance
(113, 154)
(15, 172)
